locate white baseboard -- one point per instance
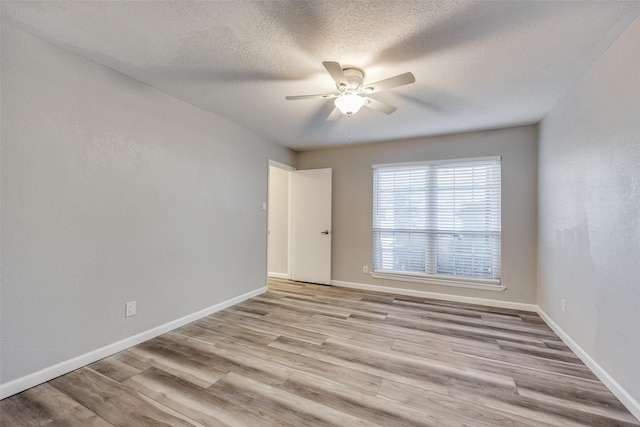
(435, 295)
(625, 398)
(279, 275)
(20, 384)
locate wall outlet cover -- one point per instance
(130, 309)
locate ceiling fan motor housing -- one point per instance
(355, 77)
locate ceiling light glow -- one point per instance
(350, 103)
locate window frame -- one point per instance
(493, 284)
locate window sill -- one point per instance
(456, 282)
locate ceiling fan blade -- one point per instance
(335, 69)
(380, 106)
(324, 96)
(335, 114)
(391, 82)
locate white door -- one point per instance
(311, 226)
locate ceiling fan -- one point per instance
(352, 92)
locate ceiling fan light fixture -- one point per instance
(349, 104)
(352, 94)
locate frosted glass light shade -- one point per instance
(350, 103)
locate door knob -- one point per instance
(324, 232)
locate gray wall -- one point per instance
(113, 191)
(353, 203)
(589, 211)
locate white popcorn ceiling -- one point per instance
(478, 64)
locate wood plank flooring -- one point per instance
(308, 355)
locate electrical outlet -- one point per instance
(130, 309)
(365, 268)
(563, 305)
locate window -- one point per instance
(438, 220)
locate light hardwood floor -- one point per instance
(308, 355)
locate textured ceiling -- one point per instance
(478, 64)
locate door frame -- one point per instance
(289, 169)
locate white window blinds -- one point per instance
(440, 219)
